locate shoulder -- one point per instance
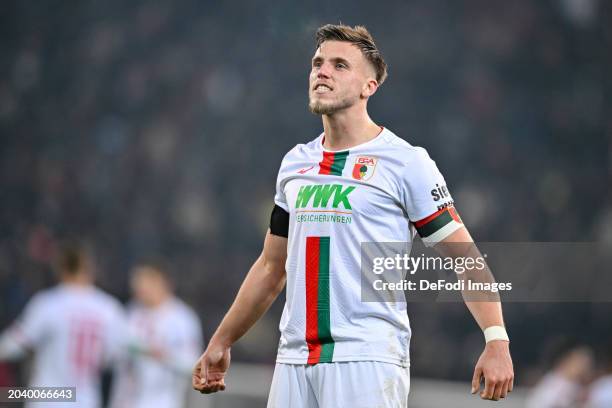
(406, 160)
(107, 301)
(299, 156)
(183, 309)
(51, 296)
(44, 299)
(184, 318)
(43, 304)
(301, 150)
(407, 152)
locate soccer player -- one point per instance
(73, 330)
(164, 337)
(357, 182)
(600, 393)
(565, 385)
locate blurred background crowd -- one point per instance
(152, 127)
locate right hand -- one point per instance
(209, 372)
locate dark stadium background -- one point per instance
(158, 128)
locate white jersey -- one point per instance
(555, 391)
(74, 332)
(384, 190)
(162, 347)
(600, 394)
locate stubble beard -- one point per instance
(319, 108)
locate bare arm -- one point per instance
(495, 363)
(260, 288)
(486, 313)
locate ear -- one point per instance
(369, 88)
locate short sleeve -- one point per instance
(427, 200)
(31, 327)
(280, 198)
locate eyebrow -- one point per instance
(335, 60)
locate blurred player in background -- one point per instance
(164, 338)
(73, 329)
(565, 385)
(600, 393)
(356, 182)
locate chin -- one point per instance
(319, 108)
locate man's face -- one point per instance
(339, 75)
(147, 286)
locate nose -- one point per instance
(324, 71)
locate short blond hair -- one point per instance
(361, 37)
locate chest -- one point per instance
(151, 326)
(319, 203)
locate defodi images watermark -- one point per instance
(490, 271)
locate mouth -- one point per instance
(322, 88)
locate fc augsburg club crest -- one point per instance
(364, 167)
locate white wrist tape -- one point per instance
(495, 333)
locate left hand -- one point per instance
(209, 372)
(495, 365)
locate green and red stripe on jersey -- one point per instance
(333, 163)
(438, 225)
(318, 317)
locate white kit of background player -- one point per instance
(74, 330)
(164, 337)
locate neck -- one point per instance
(348, 127)
(159, 301)
(79, 280)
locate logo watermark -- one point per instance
(490, 271)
